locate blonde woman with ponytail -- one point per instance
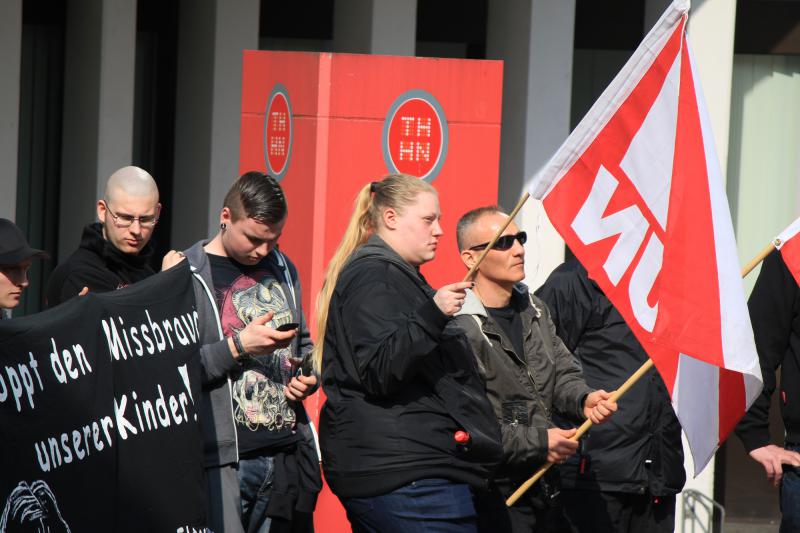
(407, 432)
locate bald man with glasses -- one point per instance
(530, 375)
(115, 251)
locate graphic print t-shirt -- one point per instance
(263, 416)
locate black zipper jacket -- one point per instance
(774, 308)
(398, 387)
(639, 449)
(525, 389)
(99, 265)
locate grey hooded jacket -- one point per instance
(524, 389)
(218, 365)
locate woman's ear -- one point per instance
(390, 218)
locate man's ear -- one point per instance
(102, 209)
(468, 258)
(390, 218)
(225, 216)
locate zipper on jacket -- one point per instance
(528, 373)
(285, 267)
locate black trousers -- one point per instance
(532, 513)
(593, 511)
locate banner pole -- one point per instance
(627, 385)
(497, 236)
(760, 257)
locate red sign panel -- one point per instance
(350, 117)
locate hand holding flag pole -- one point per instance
(617, 394)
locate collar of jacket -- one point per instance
(198, 260)
(474, 306)
(377, 248)
(488, 327)
(93, 240)
(197, 256)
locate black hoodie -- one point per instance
(774, 308)
(398, 387)
(98, 265)
(639, 449)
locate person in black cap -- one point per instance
(115, 251)
(16, 256)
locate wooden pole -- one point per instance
(617, 394)
(497, 236)
(760, 257)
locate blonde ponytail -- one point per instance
(394, 191)
(357, 233)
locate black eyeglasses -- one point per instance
(126, 221)
(503, 243)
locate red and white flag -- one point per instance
(788, 243)
(636, 192)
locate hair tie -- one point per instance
(373, 187)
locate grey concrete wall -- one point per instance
(117, 85)
(10, 58)
(100, 44)
(193, 121)
(375, 27)
(534, 38)
(208, 108)
(236, 31)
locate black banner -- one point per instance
(98, 419)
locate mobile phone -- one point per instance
(288, 326)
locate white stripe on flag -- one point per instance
(788, 233)
(648, 161)
(696, 402)
(738, 346)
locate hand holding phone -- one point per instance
(289, 326)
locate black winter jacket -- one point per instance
(775, 314)
(639, 449)
(99, 265)
(398, 388)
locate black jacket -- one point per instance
(525, 389)
(774, 308)
(639, 449)
(99, 265)
(398, 388)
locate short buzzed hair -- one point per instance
(258, 196)
(468, 219)
(132, 181)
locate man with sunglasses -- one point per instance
(115, 251)
(529, 374)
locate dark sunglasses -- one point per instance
(503, 243)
